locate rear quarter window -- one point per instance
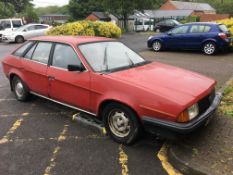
(223, 28)
(20, 51)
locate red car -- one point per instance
(106, 79)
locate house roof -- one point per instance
(167, 13)
(52, 15)
(101, 15)
(192, 6)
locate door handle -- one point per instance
(51, 77)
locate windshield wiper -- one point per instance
(105, 63)
(129, 59)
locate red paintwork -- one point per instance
(154, 90)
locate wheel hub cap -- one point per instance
(209, 48)
(119, 124)
(19, 89)
(156, 46)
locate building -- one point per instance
(197, 8)
(54, 18)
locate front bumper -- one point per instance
(171, 129)
(8, 38)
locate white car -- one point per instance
(8, 25)
(26, 32)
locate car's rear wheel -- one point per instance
(157, 46)
(209, 48)
(19, 39)
(121, 123)
(20, 90)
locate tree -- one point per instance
(79, 9)
(51, 9)
(124, 8)
(30, 15)
(6, 10)
(19, 5)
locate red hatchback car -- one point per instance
(106, 79)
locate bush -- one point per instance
(87, 28)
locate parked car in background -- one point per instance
(208, 37)
(165, 25)
(106, 79)
(143, 24)
(8, 25)
(26, 32)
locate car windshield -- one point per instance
(110, 56)
(20, 29)
(5, 24)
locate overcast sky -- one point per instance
(44, 3)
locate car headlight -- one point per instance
(193, 111)
(189, 114)
(150, 37)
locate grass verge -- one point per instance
(226, 106)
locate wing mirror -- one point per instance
(79, 68)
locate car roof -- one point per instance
(75, 40)
(203, 23)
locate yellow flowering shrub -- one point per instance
(228, 23)
(87, 28)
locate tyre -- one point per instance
(121, 123)
(19, 39)
(157, 46)
(209, 48)
(20, 90)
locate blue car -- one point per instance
(208, 37)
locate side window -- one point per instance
(30, 28)
(16, 23)
(38, 27)
(19, 52)
(42, 52)
(207, 29)
(30, 52)
(180, 30)
(64, 55)
(199, 29)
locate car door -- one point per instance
(35, 64)
(29, 32)
(40, 30)
(70, 87)
(197, 35)
(177, 38)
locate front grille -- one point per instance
(205, 103)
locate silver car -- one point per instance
(25, 32)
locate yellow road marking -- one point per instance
(52, 162)
(123, 160)
(162, 155)
(15, 126)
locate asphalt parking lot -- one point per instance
(40, 137)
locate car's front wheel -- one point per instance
(19, 39)
(157, 46)
(20, 90)
(121, 123)
(209, 48)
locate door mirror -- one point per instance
(79, 68)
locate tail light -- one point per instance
(222, 35)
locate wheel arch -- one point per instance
(105, 102)
(12, 75)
